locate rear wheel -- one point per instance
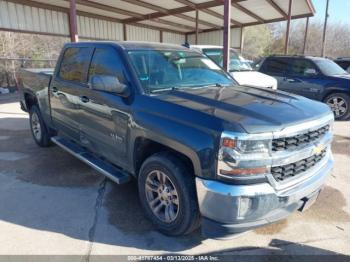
(340, 105)
(167, 194)
(37, 126)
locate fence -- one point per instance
(9, 67)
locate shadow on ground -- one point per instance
(27, 169)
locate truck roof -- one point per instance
(133, 45)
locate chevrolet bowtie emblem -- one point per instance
(318, 149)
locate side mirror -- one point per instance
(310, 72)
(109, 84)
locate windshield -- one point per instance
(160, 70)
(330, 68)
(237, 63)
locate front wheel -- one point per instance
(340, 105)
(168, 195)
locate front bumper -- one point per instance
(231, 209)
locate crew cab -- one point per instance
(313, 77)
(205, 151)
(239, 68)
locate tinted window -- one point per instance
(329, 68)
(107, 62)
(275, 66)
(301, 67)
(74, 64)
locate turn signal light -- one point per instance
(228, 142)
(244, 171)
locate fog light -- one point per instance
(244, 205)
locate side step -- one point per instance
(110, 171)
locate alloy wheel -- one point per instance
(162, 196)
(338, 105)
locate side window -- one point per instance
(301, 67)
(74, 64)
(107, 62)
(275, 66)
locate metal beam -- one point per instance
(208, 11)
(217, 15)
(305, 36)
(248, 12)
(323, 53)
(286, 44)
(166, 11)
(226, 36)
(73, 28)
(277, 8)
(255, 23)
(196, 38)
(173, 11)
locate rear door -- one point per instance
(303, 78)
(276, 67)
(65, 90)
(105, 116)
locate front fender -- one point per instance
(198, 145)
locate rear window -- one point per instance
(74, 64)
(275, 66)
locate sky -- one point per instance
(339, 10)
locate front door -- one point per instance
(303, 78)
(65, 90)
(105, 116)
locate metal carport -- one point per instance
(174, 21)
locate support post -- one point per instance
(73, 29)
(242, 40)
(305, 36)
(124, 33)
(197, 16)
(323, 53)
(286, 45)
(161, 36)
(227, 33)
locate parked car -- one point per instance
(240, 68)
(203, 150)
(313, 77)
(344, 62)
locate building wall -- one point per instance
(25, 18)
(216, 38)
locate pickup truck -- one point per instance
(204, 151)
(240, 69)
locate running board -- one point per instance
(110, 171)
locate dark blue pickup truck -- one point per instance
(204, 150)
(313, 77)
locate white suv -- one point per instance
(240, 70)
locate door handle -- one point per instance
(84, 99)
(291, 80)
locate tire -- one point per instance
(185, 216)
(340, 105)
(38, 128)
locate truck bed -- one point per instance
(36, 79)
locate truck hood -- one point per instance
(253, 78)
(256, 110)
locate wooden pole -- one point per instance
(73, 29)
(323, 53)
(226, 36)
(305, 36)
(286, 45)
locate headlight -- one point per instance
(244, 156)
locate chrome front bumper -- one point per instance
(229, 209)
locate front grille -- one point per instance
(287, 143)
(281, 173)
